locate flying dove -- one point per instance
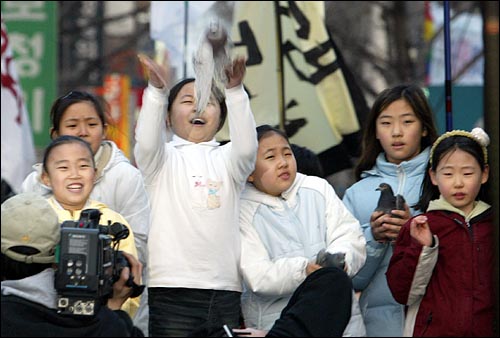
(210, 60)
(388, 201)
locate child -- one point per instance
(194, 186)
(399, 131)
(118, 183)
(286, 219)
(31, 233)
(443, 262)
(69, 171)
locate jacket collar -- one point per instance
(179, 141)
(415, 166)
(442, 204)
(38, 288)
(251, 193)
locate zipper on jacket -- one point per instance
(401, 180)
(467, 225)
(471, 230)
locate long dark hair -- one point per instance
(429, 191)
(417, 100)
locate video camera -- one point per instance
(88, 263)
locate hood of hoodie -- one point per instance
(442, 204)
(64, 214)
(38, 288)
(106, 158)
(252, 194)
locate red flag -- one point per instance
(18, 150)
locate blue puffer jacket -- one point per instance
(383, 316)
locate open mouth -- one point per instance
(198, 121)
(75, 187)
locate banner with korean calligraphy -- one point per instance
(33, 36)
(293, 72)
(296, 75)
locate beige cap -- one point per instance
(29, 220)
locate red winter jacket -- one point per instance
(456, 297)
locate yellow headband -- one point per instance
(477, 134)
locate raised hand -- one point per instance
(236, 72)
(158, 75)
(420, 230)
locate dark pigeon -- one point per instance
(388, 201)
(326, 259)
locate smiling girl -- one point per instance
(69, 170)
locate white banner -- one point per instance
(18, 151)
(168, 25)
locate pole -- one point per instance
(184, 56)
(279, 67)
(491, 114)
(447, 83)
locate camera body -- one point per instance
(88, 264)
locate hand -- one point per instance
(311, 267)
(420, 230)
(236, 72)
(158, 75)
(121, 292)
(385, 227)
(404, 215)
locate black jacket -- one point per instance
(23, 318)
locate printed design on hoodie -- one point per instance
(213, 199)
(205, 192)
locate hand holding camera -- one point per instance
(128, 284)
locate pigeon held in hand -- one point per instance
(326, 259)
(387, 201)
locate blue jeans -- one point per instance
(176, 312)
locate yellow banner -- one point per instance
(293, 58)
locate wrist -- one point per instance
(115, 303)
(433, 242)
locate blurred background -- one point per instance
(448, 47)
